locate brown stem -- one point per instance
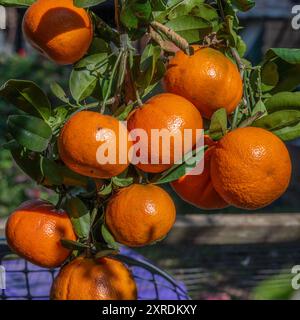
(117, 14)
(180, 42)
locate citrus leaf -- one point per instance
(135, 13)
(59, 92)
(30, 132)
(288, 133)
(278, 119)
(123, 112)
(16, 3)
(179, 170)
(244, 5)
(291, 56)
(269, 76)
(87, 3)
(27, 96)
(108, 237)
(283, 100)
(105, 190)
(79, 215)
(259, 107)
(218, 125)
(51, 172)
(122, 182)
(73, 245)
(82, 83)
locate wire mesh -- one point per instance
(25, 281)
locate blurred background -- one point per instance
(224, 254)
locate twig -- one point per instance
(180, 42)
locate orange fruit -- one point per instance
(82, 138)
(250, 168)
(139, 215)
(207, 78)
(58, 29)
(34, 231)
(165, 111)
(90, 279)
(198, 189)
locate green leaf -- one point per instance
(29, 163)
(30, 132)
(16, 3)
(122, 182)
(291, 56)
(179, 170)
(108, 237)
(51, 172)
(269, 76)
(82, 84)
(59, 92)
(158, 5)
(105, 190)
(191, 28)
(27, 96)
(218, 125)
(244, 5)
(123, 112)
(283, 100)
(80, 216)
(73, 245)
(259, 107)
(87, 3)
(92, 62)
(285, 124)
(135, 13)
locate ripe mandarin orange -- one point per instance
(250, 168)
(198, 189)
(140, 214)
(58, 29)
(90, 279)
(83, 137)
(34, 231)
(168, 112)
(207, 78)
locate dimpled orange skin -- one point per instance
(34, 231)
(81, 137)
(250, 168)
(207, 78)
(89, 279)
(58, 29)
(139, 215)
(165, 111)
(198, 189)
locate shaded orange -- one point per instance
(78, 145)
(90, 279)
(250, 168)
(139, 215)
(34, 231)
(207, 78)
(165, 111)
(58, 29)
(198, 189)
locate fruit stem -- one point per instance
(117, 14)
(180, 42)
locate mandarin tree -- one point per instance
(191, 52)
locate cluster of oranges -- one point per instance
(248, 168)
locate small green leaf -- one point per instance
(16, 3)
(108, 237)
(30, 132)
(51, 172)
(123, 112)
(122, 182)
(73, 245)
(218, 125)
(259, 107)
(269, 76)
(283, 100)
(285, 124)
(179, 170)
(244, 5)
(105, 190)
(59, 92)
(87, 3)
(27, 96)
(82, 84)
(80, 216)
(135, 13)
